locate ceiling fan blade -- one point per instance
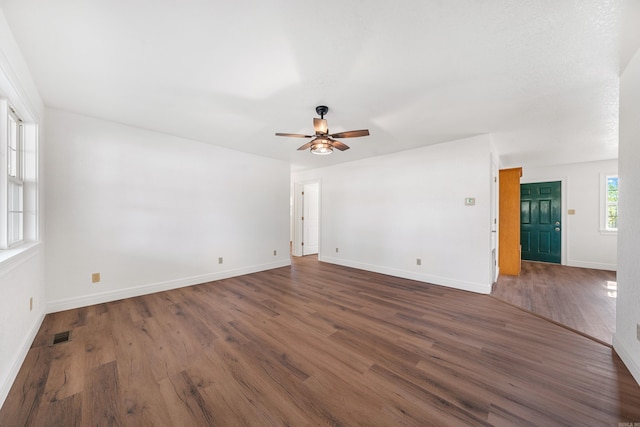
(294, 135)
(350, 134)
(307, 145)
(320, 126)
(339, 145)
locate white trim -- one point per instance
(18, 359)
(593, 265)
(102, 297)
(29, 181)
(4, 177)
(494, 218)
(32, 182)
(296, 246)
(434, 280)
(625, 355)
(11, 258)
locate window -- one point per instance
(15, 180)
(18, 179)
(610, 203)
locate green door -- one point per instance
(540, 227)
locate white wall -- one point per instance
(625, 342)
(584, 243)
(383, 213)
(151, 212)
(22, 269)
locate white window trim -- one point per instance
(16, 181)
(4, 176)
(29, 175)
(603, 204)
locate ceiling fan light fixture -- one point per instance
(323, 142)
(322, 148)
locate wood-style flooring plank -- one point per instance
(101, 401)
(317, 344)
(64, 378)
(65, 412)
(24, 404)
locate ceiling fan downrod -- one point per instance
(322, 110)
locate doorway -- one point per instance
(310, 218)
(306, 218)
(540, 221)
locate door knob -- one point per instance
(557, 222)
(557, 228)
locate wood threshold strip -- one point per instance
(562, 325)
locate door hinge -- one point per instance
(303, 193)
(495, 179)
(303, 218)
(302, 244)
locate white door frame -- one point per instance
(296, 249)
(493, 226)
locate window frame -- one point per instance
(605, 203)
(15, 180)
(29, 109)
(18, 178)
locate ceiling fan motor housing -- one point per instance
(322, 110)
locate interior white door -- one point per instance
(311, 221)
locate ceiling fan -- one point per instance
(323, 142)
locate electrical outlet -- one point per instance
(418, 261)
(220, 260)
(95, 277)
(275, 252)
(31, 304)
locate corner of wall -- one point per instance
(23, 275)
(627, 315)
(625, 354)
(99, 298)
(20, 355)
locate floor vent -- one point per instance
(61, 337)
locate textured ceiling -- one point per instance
(540, 76)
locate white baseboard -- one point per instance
(593, 265)
(625, 355)
(479, 288)
(102, 297)
(19, 357)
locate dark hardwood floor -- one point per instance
(581, 298)
(316, 344)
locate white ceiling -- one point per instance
(541, 76)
